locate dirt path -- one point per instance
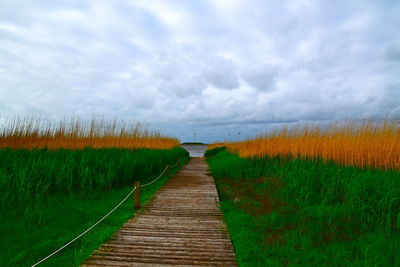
(182, 226)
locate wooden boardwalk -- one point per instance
(182, 226)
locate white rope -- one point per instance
(156, 178)
(90, 228)
(176, 163)
(166, 168)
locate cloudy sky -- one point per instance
(214, 67)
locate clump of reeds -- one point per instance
(312, 210)
(363, 144)
(31, 175)
(29, 132)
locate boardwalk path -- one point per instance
(182, 226)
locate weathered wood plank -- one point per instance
(183, 225)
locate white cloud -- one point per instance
(218, 66)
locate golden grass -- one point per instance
(362, 144)
(28, 132)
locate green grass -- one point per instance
(75, 188)
(214, 151)
(29, 176)
(298, 212)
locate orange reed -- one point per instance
(28, 132)
(362, 144)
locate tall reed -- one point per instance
(363, 144)
(75, 133)
(30, 176)
(308, 212)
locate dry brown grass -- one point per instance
(28, 132)
(366, 143)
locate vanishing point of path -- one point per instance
(182, 226)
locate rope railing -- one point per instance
(105, 216)
(166, 168)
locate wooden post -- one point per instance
(167, 171)
(136, 196)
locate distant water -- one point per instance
(195, 151)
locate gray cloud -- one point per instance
(262, 78)
(392, 52)
(220, 67)
(221, 73)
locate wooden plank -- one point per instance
(182, 226)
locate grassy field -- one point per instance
(28, 177)
(59, 178)
(294, 211)
(50, 196)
